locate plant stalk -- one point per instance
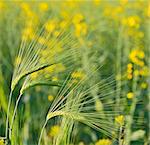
(14, 114)
(41, 134)
(7, 119)
(131, 115)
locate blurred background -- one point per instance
(116, 31)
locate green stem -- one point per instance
(118, 67)
(41, 134)
(129, 118)
(14, 114)
(7, 119)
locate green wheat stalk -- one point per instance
(32, 61)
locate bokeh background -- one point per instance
(116, 31)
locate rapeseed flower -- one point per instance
(50, 25)
(50, 98)
(103, 142)
(2, 142)
(130, 95)
(43, 6)
(77, 74)
(80, 29)
(54, 130)
(120, 120)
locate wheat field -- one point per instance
(74, 72)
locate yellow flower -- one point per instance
(129, 70)
(42, 40)
(34, 75)
(120, 120)
(63, 24)
(28, 33)
(77, 18)
(50, 69)
(148, 10)
(25, 6)
(65, 15)
(54, 79)
(140, 63)
(141, 54)
(2, 142)
(28, 11)
(129, 76)
(77, 74)
(43, 6)
(80, 29)
(2, 5)
(50, 98)
(103, 142)
(97, 2)
(144, 71)
(130, 95)
(57, 33)
(123, 2)
(50, 25)
(133, 21)
(136, 55)
(54, 130)
(132, 55)
(129, 65)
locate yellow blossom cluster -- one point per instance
(137, 65)
(130, 95)
(54, 131)
(31, 21)
(2, 6)
(50, 98)
(80, 25)
(54, 79)
(132, 21)
(77, 75)
(136, 56)
(104, 142)
(120, 120)
(51, 25)
(43, 6)
(144, 71)
(113, 13)
(2, 142)
(96, 2)
(129, 71)
(137, 68)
